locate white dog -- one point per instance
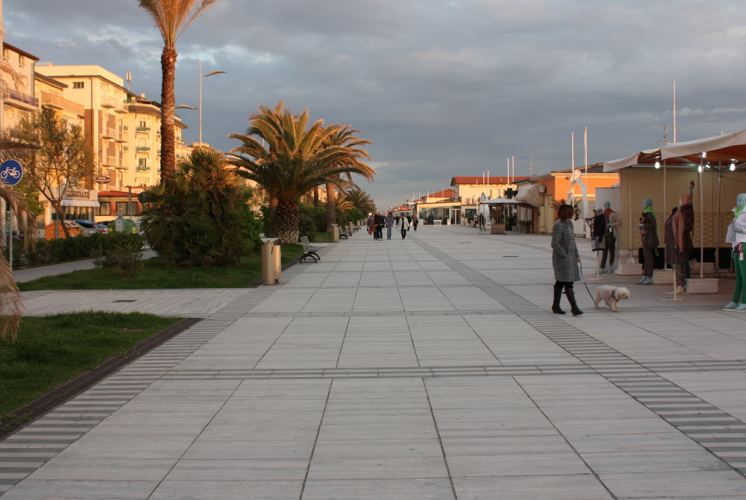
(611, 295)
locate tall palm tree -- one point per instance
(361, 200)
(292, 162)
(172, 17)
(345, 136)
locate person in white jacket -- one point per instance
(404, 226)
(736, 236)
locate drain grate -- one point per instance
(126, 300)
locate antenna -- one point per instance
(129, 81)
(665, 133)
(530, 164)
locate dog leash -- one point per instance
(583, 277)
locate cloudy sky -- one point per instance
(441, 88)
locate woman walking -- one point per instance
(565, 260)
(389, 225)
(415, 221)
(404, 226)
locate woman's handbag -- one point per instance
(370, 231)
(597, 245)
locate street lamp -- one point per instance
(183, 106)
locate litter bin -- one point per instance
(335, 233)
(350, 227)
(277, 259)
(268, 263)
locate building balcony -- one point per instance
(112, 102)
(111, 161)
(21, 100)
(56, 101)
(142, 149)
(144, 130)
(143, 168)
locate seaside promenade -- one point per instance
(429, 368)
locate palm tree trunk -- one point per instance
(168, 142)
(288, 216)
(316, 196)
(331, 206)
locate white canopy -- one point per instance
(681, 149)
(530, 195)
(614, 165)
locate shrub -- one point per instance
(126, 257)
(252, 227)
(66, 249)
(196, 215)
(307, 226)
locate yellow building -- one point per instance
(17, 96)
(50, 92)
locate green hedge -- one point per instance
(66, 249)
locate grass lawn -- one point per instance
(156, 275)
(51, 350)
(323, 237)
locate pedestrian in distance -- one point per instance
(565, 260)
(404, 226)
(371, 225)
(389, 225)
(415, 221)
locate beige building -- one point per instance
(18, 97)
(50, 93)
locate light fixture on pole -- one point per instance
(201, 76)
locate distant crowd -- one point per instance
(377, 222)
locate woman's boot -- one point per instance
(571, 298)
(557, 298)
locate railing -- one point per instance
(52, 99)
(108, 101)
(21, 97)
(112, 161)
(142, 168)
(143, 129)
(142, 148)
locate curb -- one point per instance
(49, 401)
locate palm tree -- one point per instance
(294, 160)
(344, 136)
(360, 200)
(172, 17)
(11, 303)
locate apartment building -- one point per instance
(18, 97)
(49, 93)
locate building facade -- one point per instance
(18, 99)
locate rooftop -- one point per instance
(478, 179)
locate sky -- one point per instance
(441, 88)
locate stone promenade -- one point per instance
(429, 368)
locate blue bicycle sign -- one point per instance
(11, 172)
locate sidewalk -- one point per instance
(427, 368)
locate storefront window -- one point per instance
(123, 208)
(76, 213)
(104, 209)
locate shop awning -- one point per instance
(530, 195)
(80, 203)
(726, 147)
(499, 201)
(646, 156)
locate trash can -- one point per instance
(350, 227)
(335, 233)
(268, 262)
(277, 260)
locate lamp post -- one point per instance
(201, 76)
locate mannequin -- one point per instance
(649, 235)
(681, 226)
(612, 229)
(736, 236)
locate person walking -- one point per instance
(380, 222)
(404, 226)
(565, 260)
(389, 225)
(371, 225)
(415, 221)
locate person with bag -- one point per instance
(389, 225)
(404, 226)
(379, 221)
(565, 260)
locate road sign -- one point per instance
(11, 172)
(103, 180)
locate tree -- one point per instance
(63, 160)
(360, 200)
(196, 216)
(345, 136)
(172, 17)
(296, 158)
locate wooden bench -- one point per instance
(308, 251)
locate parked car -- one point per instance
(89, 227)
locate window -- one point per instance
(142, 162)
(104, 208)
(143, 124)
(78, 85)
(122, 207)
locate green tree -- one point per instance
(293, 161)
(196, 215)
(172, 17)
(63, 160)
